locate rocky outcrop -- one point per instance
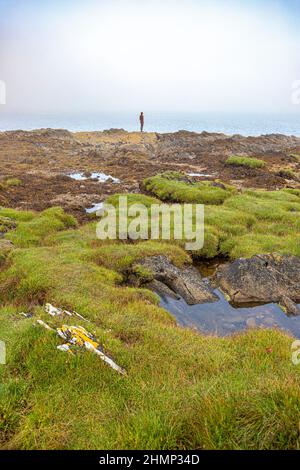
(290, 307)
(262, 278)
(184, 282)
(194, 145)
(162, 289)
(42, 158)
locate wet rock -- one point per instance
(185, 282)
(290, 307)
(162, 289)
(262, 278)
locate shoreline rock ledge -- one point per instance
(163, 277)
(263, 278)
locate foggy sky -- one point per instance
(167, 55)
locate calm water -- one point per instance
(235, 123)
(100, 177)
(94, 208)
(222, 319)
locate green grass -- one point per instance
(295, 157)
(247, 223)
(18, 216)
(287, 173)
(5, 248)
(9, 183)
(6, 224)
(249, 162)
(183, 390)
(175, 189)
(133, 199)
(32, 229)
(256, 222)
(120, 256)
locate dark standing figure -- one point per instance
(142, 121)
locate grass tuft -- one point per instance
(173, 189)
(232, 393)
(286, 173)
(249, 162)
(9, 183)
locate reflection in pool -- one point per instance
(221, 318)
(94, 208)
(200, 174)
(101, 177)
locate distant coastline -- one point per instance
(246, 124)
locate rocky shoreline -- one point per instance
(42, 159)
(72, 304)
(46, 168)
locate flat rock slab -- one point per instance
(262, 278)
(184, 282)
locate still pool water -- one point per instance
(221, 318)
(94, 208)
(200, 174)
(101, 177)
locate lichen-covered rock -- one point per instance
(185, 282)
(262, 278)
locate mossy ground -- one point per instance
(246, 223)
(295, 157)
(9, 182)
(249, 162)
(287, 173)
(182, 390)
(171, 187)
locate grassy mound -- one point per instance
(295, 157)
(174, 189)
(249, 162)
(32, 228)
(287, 173)
(247, 223)
(9, 183)
(230, 391)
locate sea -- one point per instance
(247, 124)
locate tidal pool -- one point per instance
(101, 177)
(200, 174)
(222, 318)
(94, 208)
